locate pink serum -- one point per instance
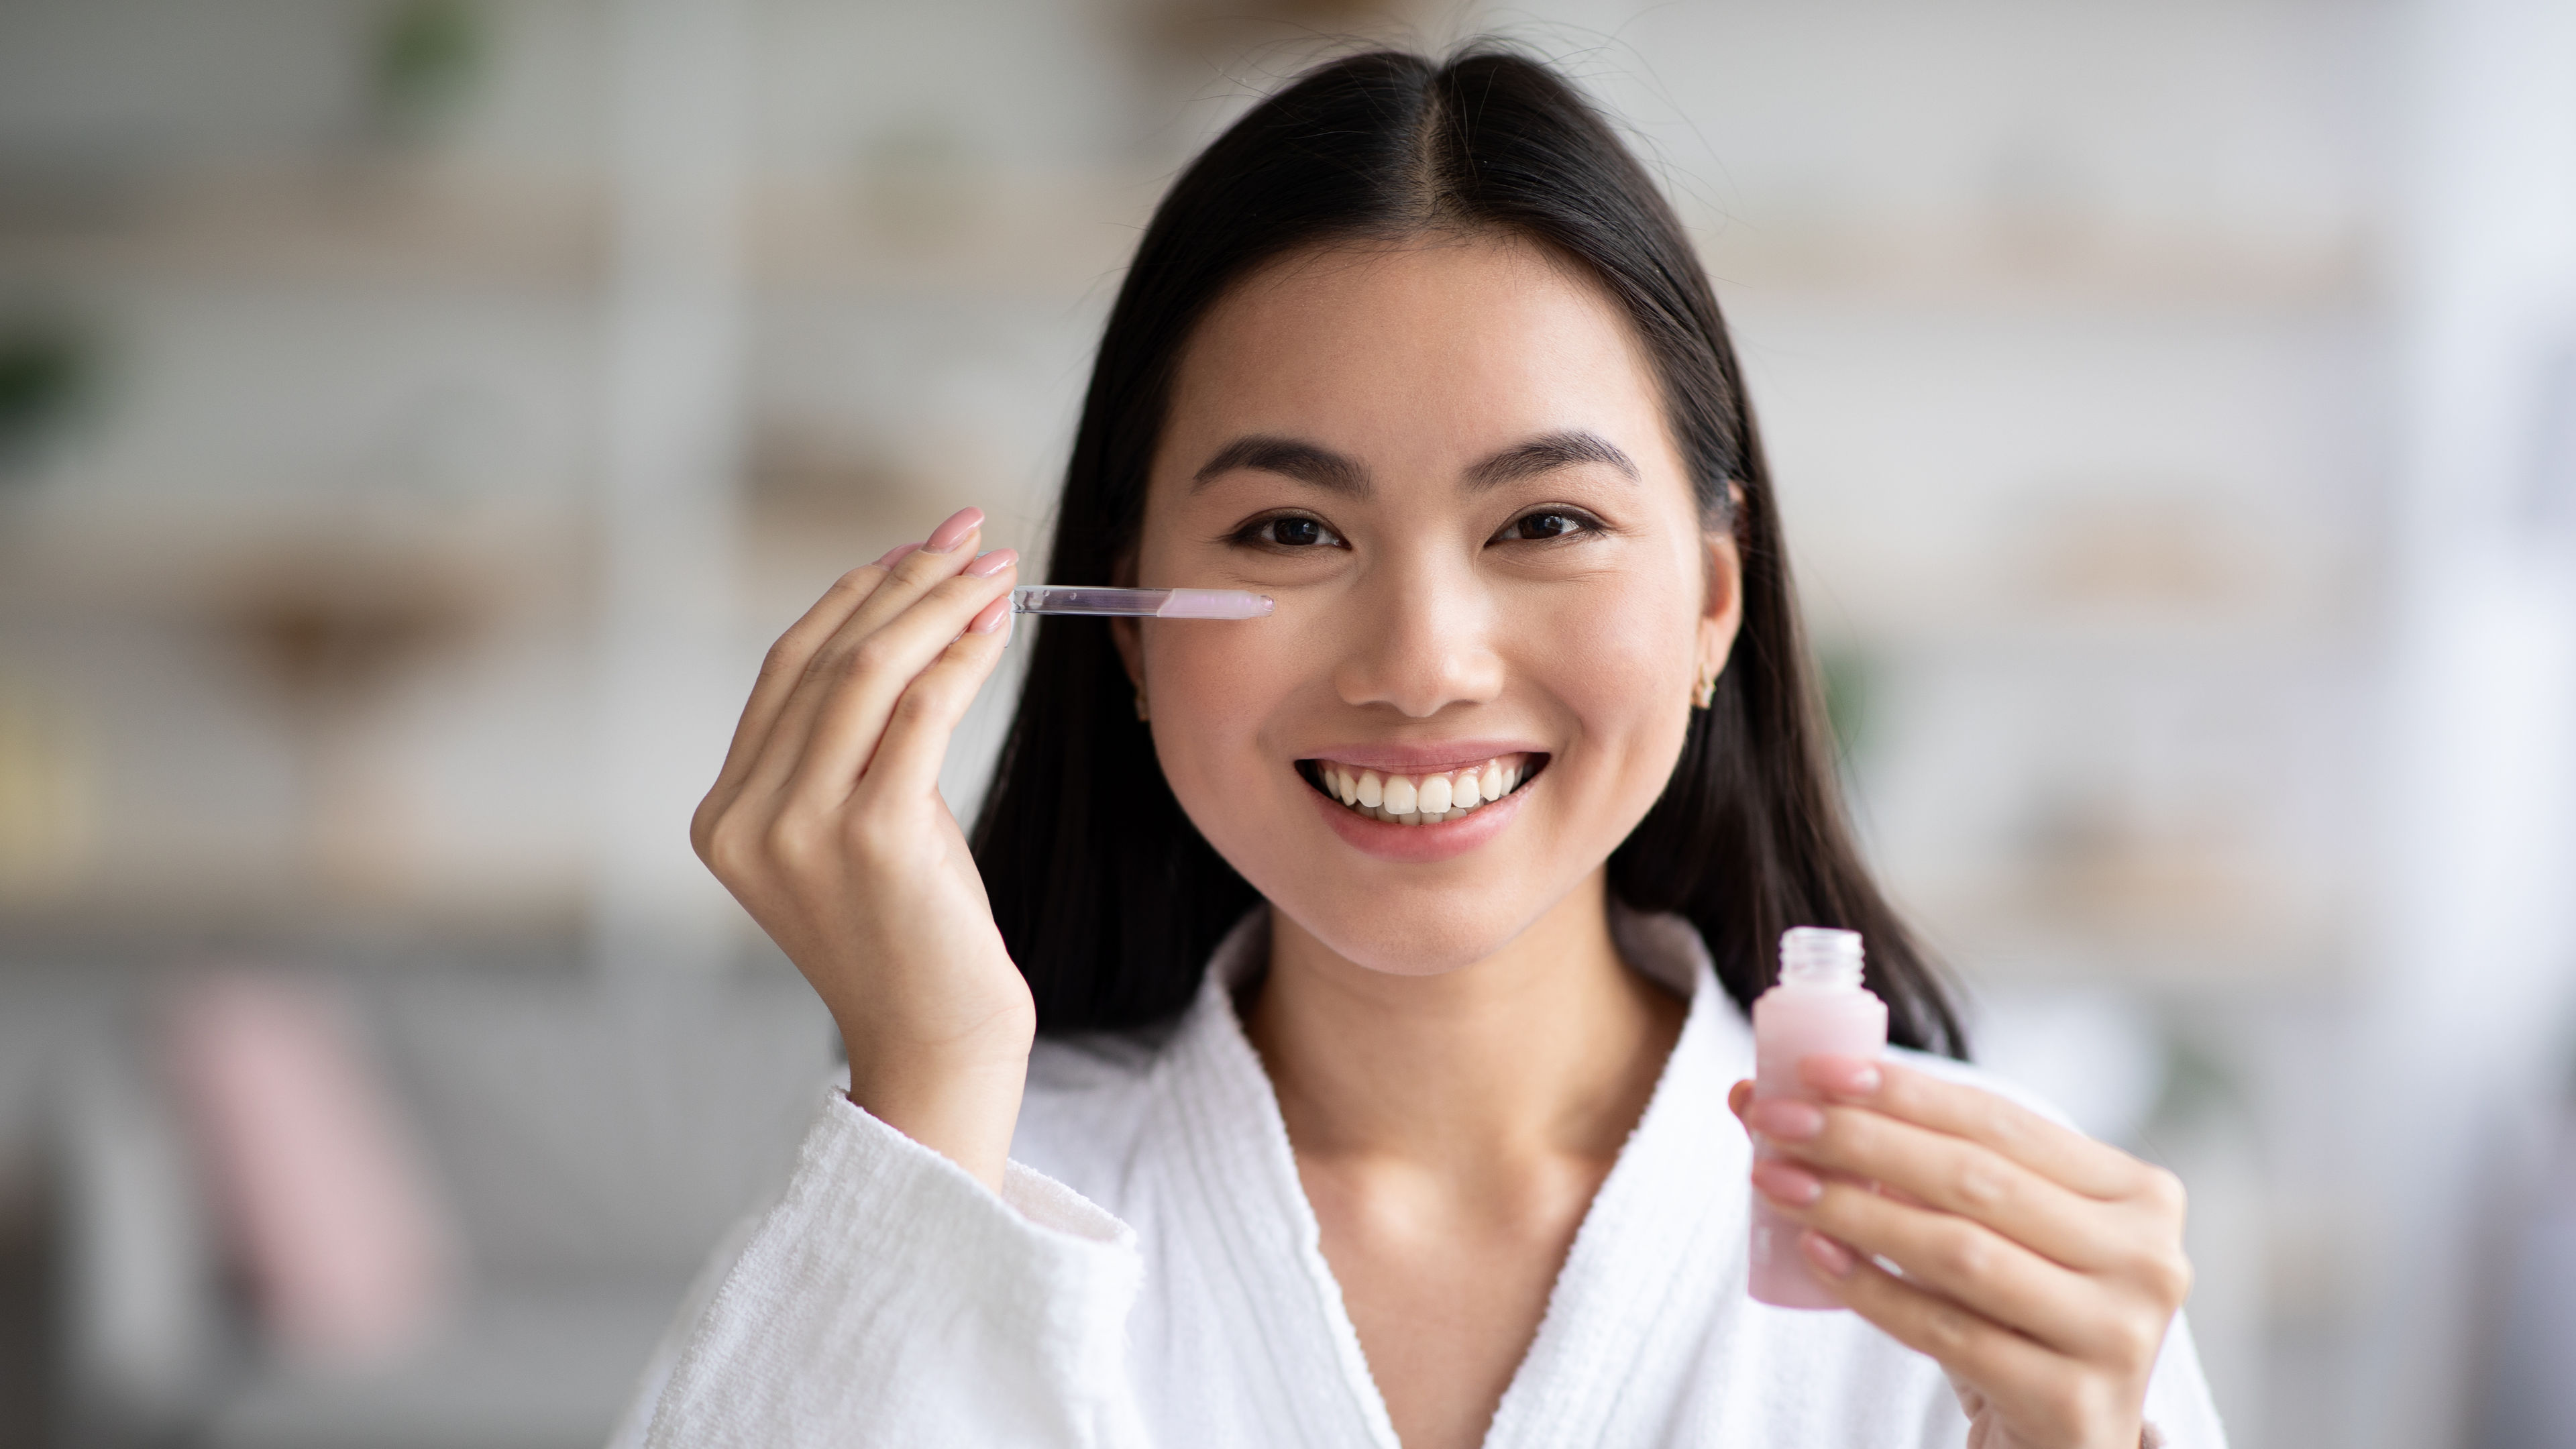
(1819, 1006)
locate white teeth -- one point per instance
(1427, 800)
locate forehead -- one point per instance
(1435, 346)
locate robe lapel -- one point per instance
(1660, 1236)
(1234, 1183)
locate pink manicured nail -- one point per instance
(1783, 1183)
(952, 533)
(895, 554)
(1786, 1119)
(1842, 1076)
(1827, 1254)
(990, 565)
(990, 617)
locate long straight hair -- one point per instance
(1107, 896)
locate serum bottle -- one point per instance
(1819, 1006)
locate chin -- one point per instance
(1400, 918)
(1416, 928)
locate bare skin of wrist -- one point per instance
(961, 1107)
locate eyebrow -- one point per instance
(1543, 454)
(1291, 458)
(1326, 469)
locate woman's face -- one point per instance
(1449, 464)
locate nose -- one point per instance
(1419, 639)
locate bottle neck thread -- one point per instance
(1818, 956)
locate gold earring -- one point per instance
(1140, 703)
(1704, 693)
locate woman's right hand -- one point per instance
(827, 824)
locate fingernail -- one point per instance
(990, 564)
(991, 617)
(1787, 1119)
(1842, 1076)
(1782, 1183)
(952, 533)
(1825, 1253)
(895, 553)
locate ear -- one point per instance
(1722, 598)
(1131, 647)
(1122, 631)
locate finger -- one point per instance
(2060, 1154)
(1737, 1097)
(1961, 1260)
(915, 743)
(785, 662)
(780, 670)
(948, 551)
(1951, 1174)
(2006, 1367)
(852, 719)
(914, 575)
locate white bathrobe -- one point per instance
(1150, 1275)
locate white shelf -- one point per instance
(357, 224)
(413, 222)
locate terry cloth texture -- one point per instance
(1151, 1275)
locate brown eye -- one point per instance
(1545, 524)
(1291, 531)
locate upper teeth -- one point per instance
(1422, 799)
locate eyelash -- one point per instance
(1252, 533)
(1583, 523)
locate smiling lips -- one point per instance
(1423, 799)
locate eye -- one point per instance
(1542, 524)
(1289, 531)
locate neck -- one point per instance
(1548, 1048)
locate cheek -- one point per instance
(1209, 691)
(1619, 659)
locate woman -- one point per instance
(1323, 1039)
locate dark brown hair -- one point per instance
(1107, 896)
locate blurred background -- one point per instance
(417, 415)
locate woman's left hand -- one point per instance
(2040, 1267)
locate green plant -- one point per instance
(45, 377)
(429, 59)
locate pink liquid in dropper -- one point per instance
(1819, 1006)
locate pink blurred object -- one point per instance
(346, 1248)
